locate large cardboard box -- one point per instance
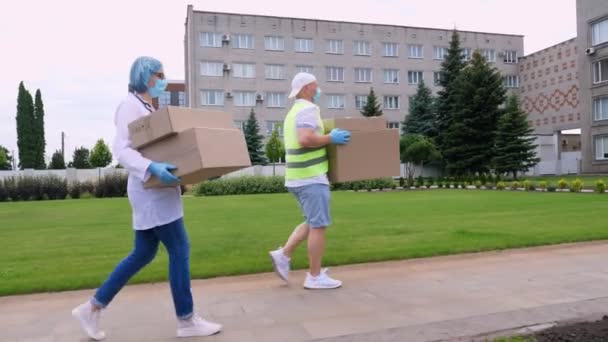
(373, 151)
(170, 120)
(200, 153)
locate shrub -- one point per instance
(483, 179)
(75, 190)
(250, 185)
(527, 185)
(562, 184)
(577, 185)
(419, 181)
(600, 187)
(10, 184)
(112, 185)
(3, 192)
(501, 185)
(543, 185)
(515, 185)
(478, 184)
(431, 181)
(87, 187)
(551, 188)
(55, 188)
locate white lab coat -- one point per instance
(151, 207)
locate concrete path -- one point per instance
(435, 299)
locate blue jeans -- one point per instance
(175, 239)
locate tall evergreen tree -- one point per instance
(254, 140)
(422, 117)
(469, 141)
(515, 148)
(372, 107)
(26, 138)
(451, 68)
(39, 131)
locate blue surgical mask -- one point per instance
(158, 89)
(317, 96)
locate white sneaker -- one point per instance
(281, 264)
(321, 282)
(89, 320)
(196, 326)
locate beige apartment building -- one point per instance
(549, 94)
(592, 31)
(236, 62)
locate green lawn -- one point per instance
(72, 244)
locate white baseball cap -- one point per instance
(300, 80)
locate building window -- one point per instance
(489, 55)
(510, 57)
(304, 45)
(360, 101)
(212, 98)
(390, 50)
(467, 54)
(244, 41)
(335, 46)
(600, 71)
(414, 77)
(271, 125)
(181, 99)
(335, 101)
(600, 108)
(275, 100)
(211, 39)
(209, 68)
(275, 72)
(599, 32)
(415, 51)
(437, 78)
(391, 76)
(391, 102)
(304, 68)
(335, 74)
(362, 48)
(274, 43)
(244, 98)
(393, 125)
(601, 148)
(164, 99)
(439, 52)
(243, 70)
(239, 124)
(363, 75)
(511, 81)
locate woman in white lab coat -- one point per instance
(157, 214)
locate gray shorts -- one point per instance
(314, 201)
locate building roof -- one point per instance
(353, 22)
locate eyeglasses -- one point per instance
(159, 75)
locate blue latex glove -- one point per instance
(163, 172)
(339, 136)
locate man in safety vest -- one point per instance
(306, 178)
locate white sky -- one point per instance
(79, 52)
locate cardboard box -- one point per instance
(170, 120)
(373, 151)
(200, 154)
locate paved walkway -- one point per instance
(445, 298)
